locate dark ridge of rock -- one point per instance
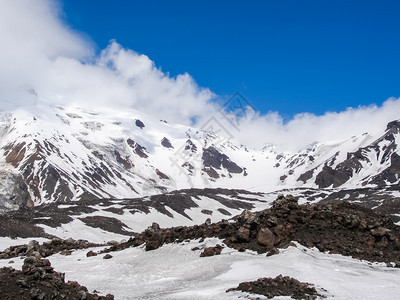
(139, 124)
(390, 174)
(306, 176)
(24, 221)
(38, 280)
(19, 227)
(45, 249)
(125, 162)
(332, 177)
(190, 146)
(162, 175)
(107, 224)
(213, 158)
(279, 286)
(341, 228)
(115, 210)
(166, 143)
(137, 149)
(189, 167)
(211, 172)
(14, 153)
(380, 200)
(224, 212)
(393, 127)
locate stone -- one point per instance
(266, 238)
(91, 253)
(382, 243)
(247, 216)
(211, 251)
(380, 231)
(273, 251)
(107, 256)
(243, 234)
(155, 226)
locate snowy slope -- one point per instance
(174, 271)
(54, 153)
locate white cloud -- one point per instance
(306, 128)
(40, 52)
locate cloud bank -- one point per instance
(41, 55)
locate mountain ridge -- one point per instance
(67, 153)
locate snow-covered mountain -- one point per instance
(63, 153)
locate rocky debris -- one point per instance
(107, 256)
(211, 251)
(166, 143)
(139, 124)
(38, 280)
(279, 286)
(341, 228)
(46, 249)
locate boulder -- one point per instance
(266, 238)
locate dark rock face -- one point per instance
(391, 174)
(385, 148)
(393, 127)
(341, 228)
(162, 175)
(137, 149)
(139, 124)
(190, 146)
(213, 159)
(332, 177)
(38, 280)
(124, 161)
(166, 143)
(306, 176)
(279, 286)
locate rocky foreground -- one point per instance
(38, 280)
(340, 228)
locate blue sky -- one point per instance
(286, 56)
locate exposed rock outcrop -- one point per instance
(341, 228)
(38, 280)
(279, 286)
